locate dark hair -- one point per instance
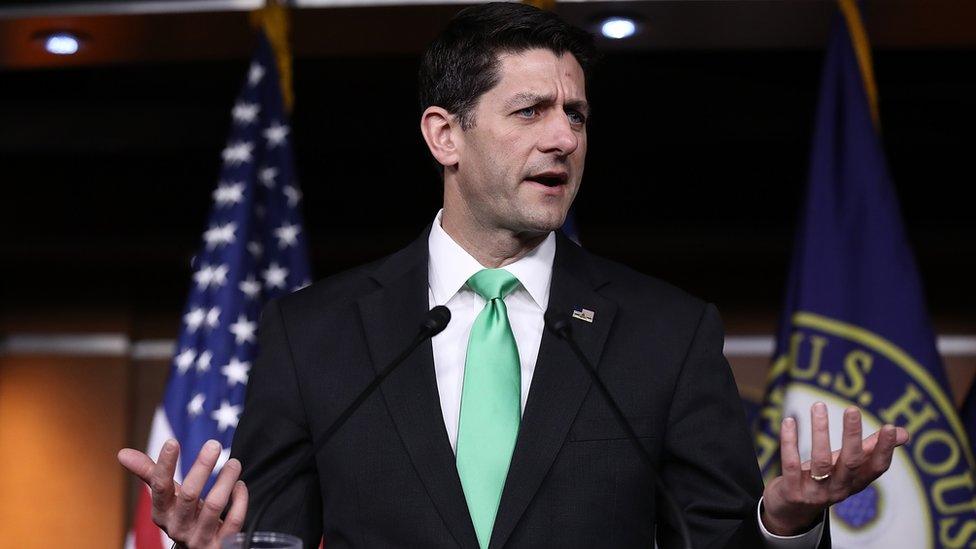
(462, 63)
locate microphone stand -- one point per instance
(560, 325)
(434, 323)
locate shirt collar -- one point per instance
(451, 266)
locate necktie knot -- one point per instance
(493, 283)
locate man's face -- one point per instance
(520, 166)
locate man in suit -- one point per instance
(490, 434)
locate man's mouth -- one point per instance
(549, 179)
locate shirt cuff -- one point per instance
(807, 540)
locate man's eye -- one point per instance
(527, 112)
(576, 117)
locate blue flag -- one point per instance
(855, 331)
(253, 249)
(570, 229)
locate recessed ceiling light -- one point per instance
(618, 27)
(61, 43)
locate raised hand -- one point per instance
(177, 508)
(795, 500)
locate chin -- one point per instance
(545, 221)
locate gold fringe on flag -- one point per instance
(273, 20)
(862, 49)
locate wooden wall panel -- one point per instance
(62, 420)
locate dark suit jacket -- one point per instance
(388, 477)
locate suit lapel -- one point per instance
(391, 317)
(558, 384)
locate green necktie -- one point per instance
(490, 403)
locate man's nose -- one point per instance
(559, 135)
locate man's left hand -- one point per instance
(793, 502)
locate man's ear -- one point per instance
(439, 129)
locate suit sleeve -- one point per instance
(273, 437)
(807, 540)
(709, 462)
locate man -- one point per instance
(489, 434)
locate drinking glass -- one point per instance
(262, 540)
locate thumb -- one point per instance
(136, 463)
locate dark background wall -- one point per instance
(695, 171)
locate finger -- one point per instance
(833, 460)
(881, 457)
(869, 443)
(901, 436)
(852, 455)
(234, 520)
(790, 454)
(820, 433)
(137, 463)
(161, 476)
(209, 518)
(193, 483)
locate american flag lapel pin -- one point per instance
(585, 315)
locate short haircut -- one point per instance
(462, 63)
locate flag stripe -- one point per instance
(146, 534)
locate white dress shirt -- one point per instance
(449, 268)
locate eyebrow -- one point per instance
(529, 98)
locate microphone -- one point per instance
(433, 323)
(561, 326)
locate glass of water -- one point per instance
(262, 540)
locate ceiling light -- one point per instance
(618, 27)
(61, 43)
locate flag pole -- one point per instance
(274, 20)
(862, 50)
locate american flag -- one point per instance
(252, 250)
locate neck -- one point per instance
(492, 247)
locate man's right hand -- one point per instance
(177, 508)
